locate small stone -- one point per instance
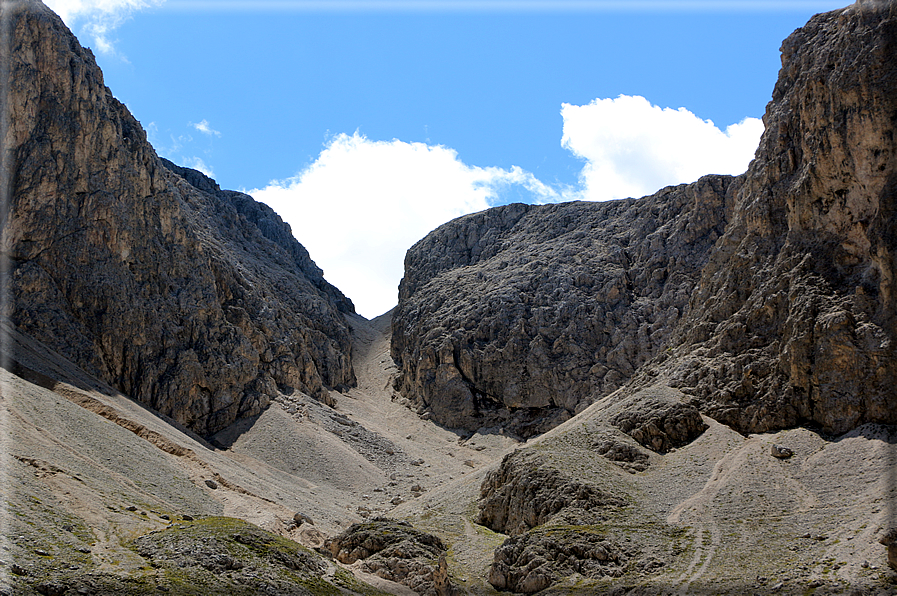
(212, 484)
(470, 463)
(41, 552)
(417, 462)
(186, 517)
(780, 451)
(397, 501)
(130, 508)
(164, 516)
(300, 518)
(865, 565)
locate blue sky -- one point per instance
(367, 124)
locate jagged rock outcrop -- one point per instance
(525, 492)
(533, 561)
(793, 321)
(658, 420)
(396, 551)
(195, 301)
(768, 300)
(629, 457)
(521, 315)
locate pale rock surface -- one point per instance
(793, 321)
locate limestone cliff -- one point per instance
(767, 299)
(197, 302)
(520, 315)
(793, 321)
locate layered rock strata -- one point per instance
(195, 301)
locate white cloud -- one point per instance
(363, 203)
(197, 164)
(204, 128)
(633, 148)
(99, 18)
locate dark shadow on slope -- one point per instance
(34, 362)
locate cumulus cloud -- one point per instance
(632, 148)
(99, 18)
(204, 128)
(363, 203)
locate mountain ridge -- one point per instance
(797, 273)
(702, 375)
(199, 304)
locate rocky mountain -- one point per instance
(793, 321)
(195, 301)
(521, 315)
(767, 298)
(702, 375)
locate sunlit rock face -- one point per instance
(195, 301)
(794, 319)
(767, 299)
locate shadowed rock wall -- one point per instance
(195, 301)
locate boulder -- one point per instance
(394, 550)
(533, 561)
(658, 421)
(525, 491)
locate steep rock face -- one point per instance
(788, 318)
(195, 301)
(521, 315)
(793, 321)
